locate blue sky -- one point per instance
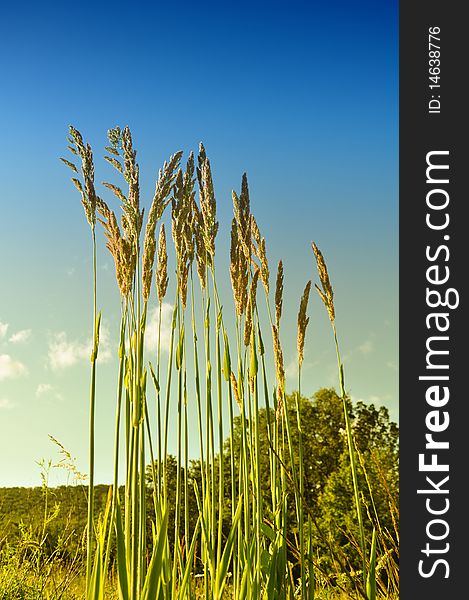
(301, 96)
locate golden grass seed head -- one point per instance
(129, 261)
(115, 163)
(116, 191)
(208, 205)
(181, 217)
(114, 136)
(279, 293)
(244, 232)
(189, 213)
(303, 321)
(200, 251)
(163, 188)
(129, 153)
(77, 184)
(241, 209)
(234, 265)
(239, 272)
(234, 385)
(190, 170)
(260, 252)
(278, 357)
(112, 150)
(76, 139)
(129, 231)
(244, 196)
(162, 269)
(251, 304)
(326, 294)
(119, 248)
(149, 250)
(164, 185)
(265, 274)
(184, 277)
(69, 164)
(182, 229)
(87, 191)
(255, 230)
(279, 409)
(132, 219)
(176, 215)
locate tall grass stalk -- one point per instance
(89, 200)
(327, 296)
(252, 549)
(303, 321)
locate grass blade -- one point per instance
(371, 576)
(154, 577)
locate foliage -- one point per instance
(328, 489)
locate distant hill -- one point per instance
(52, 516)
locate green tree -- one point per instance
(328, 490)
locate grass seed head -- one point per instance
(87, 189)
(251, 304)
(208, 205)
(242, 213)
(149, 249)
(303, 321)
(183, 219)
(200, 250)
(115, 163)
(260, 252)
(279, 294)
(239, 273)
(119, 248)
(326, 293)
(132, 216)
(163, 188)
(278, 357)
(234, 385)
(279, 409)
(162, 269)
(188, 182)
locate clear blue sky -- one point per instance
(303, 96)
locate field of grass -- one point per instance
(259, 515)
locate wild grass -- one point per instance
(244, 543)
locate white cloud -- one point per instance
(10, 368)
(104, 351)
(42, 389)
(3, 329)
(291, 370)
(63, 353)
(364, 349)
(151, 333)
(21, 336)
(367, 347)
(48, 391)
(5, 403)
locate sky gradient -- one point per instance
(301, 96)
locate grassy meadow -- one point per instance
(294, 493)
